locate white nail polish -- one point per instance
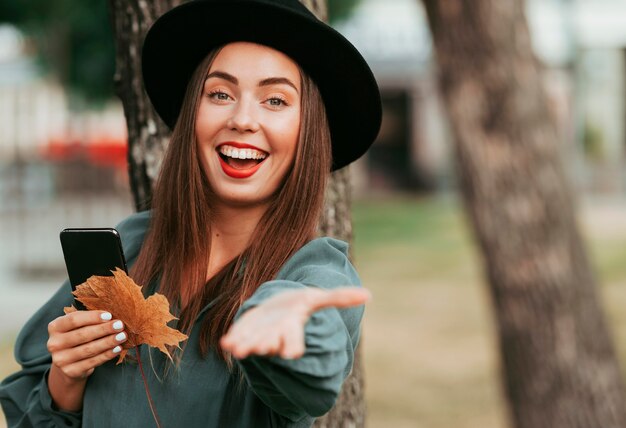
(117, 349)
(120, 336)
(105, 316)
(117, 325)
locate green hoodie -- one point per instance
(273, 392)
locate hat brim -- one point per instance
(181, 38)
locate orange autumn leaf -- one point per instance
(145, 320)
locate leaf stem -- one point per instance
(145, 383)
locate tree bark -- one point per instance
(558, 361)
(336, 221)
(147, 134)
(148, 137)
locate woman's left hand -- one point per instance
(276, 326)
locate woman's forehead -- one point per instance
(252, 60)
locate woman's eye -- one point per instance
(276, 102)
(220, 96)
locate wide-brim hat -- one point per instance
(180, 39)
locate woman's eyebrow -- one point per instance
(265, 82)
(223, 75)
(277, 81)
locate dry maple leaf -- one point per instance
(145, 320)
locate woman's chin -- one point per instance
(240, 199)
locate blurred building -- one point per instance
(44, 143)
(581, 44)
(59, 167)
(411, 152)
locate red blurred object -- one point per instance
(107, 152)
(103, 151)
(60, 150)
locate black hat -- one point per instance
(180, 39)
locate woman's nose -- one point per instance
(243, 118)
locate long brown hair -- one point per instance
(177, 246)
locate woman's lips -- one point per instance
(239, 145)
(238, 173)
(240, 160)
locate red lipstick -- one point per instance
(234, 172)
(240, 145)
(238, 173)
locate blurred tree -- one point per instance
(147, 134)
(72, 37)
(339, 10)
(557, 356)
(148, 137)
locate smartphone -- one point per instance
(87, 252)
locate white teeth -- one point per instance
(236, 153)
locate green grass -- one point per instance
(429, 354)
(419, 238)
(7, 362)
(429, 340)
(607, 250)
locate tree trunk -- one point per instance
(336, 221)
(148, 136)
(558, 360)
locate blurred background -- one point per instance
(429, 344)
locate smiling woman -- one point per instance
(248, 122)
(258, 123)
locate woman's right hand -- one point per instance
(81, 341)
(78, 343)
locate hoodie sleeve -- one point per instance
(24, 395)
(309, 385)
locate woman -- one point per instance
(264, 100)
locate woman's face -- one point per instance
(248, 122)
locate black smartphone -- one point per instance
(87, 252)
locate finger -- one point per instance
(243, 341)
(269, 344)
(292, 343)
(89, 350)
(78, 319)
(240, 346)
(343, 297)
(233, 336)
(84, 368)
(59, 341)
(228, 342)
(244, 329)
(239, 351)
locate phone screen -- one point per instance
(90, 252)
